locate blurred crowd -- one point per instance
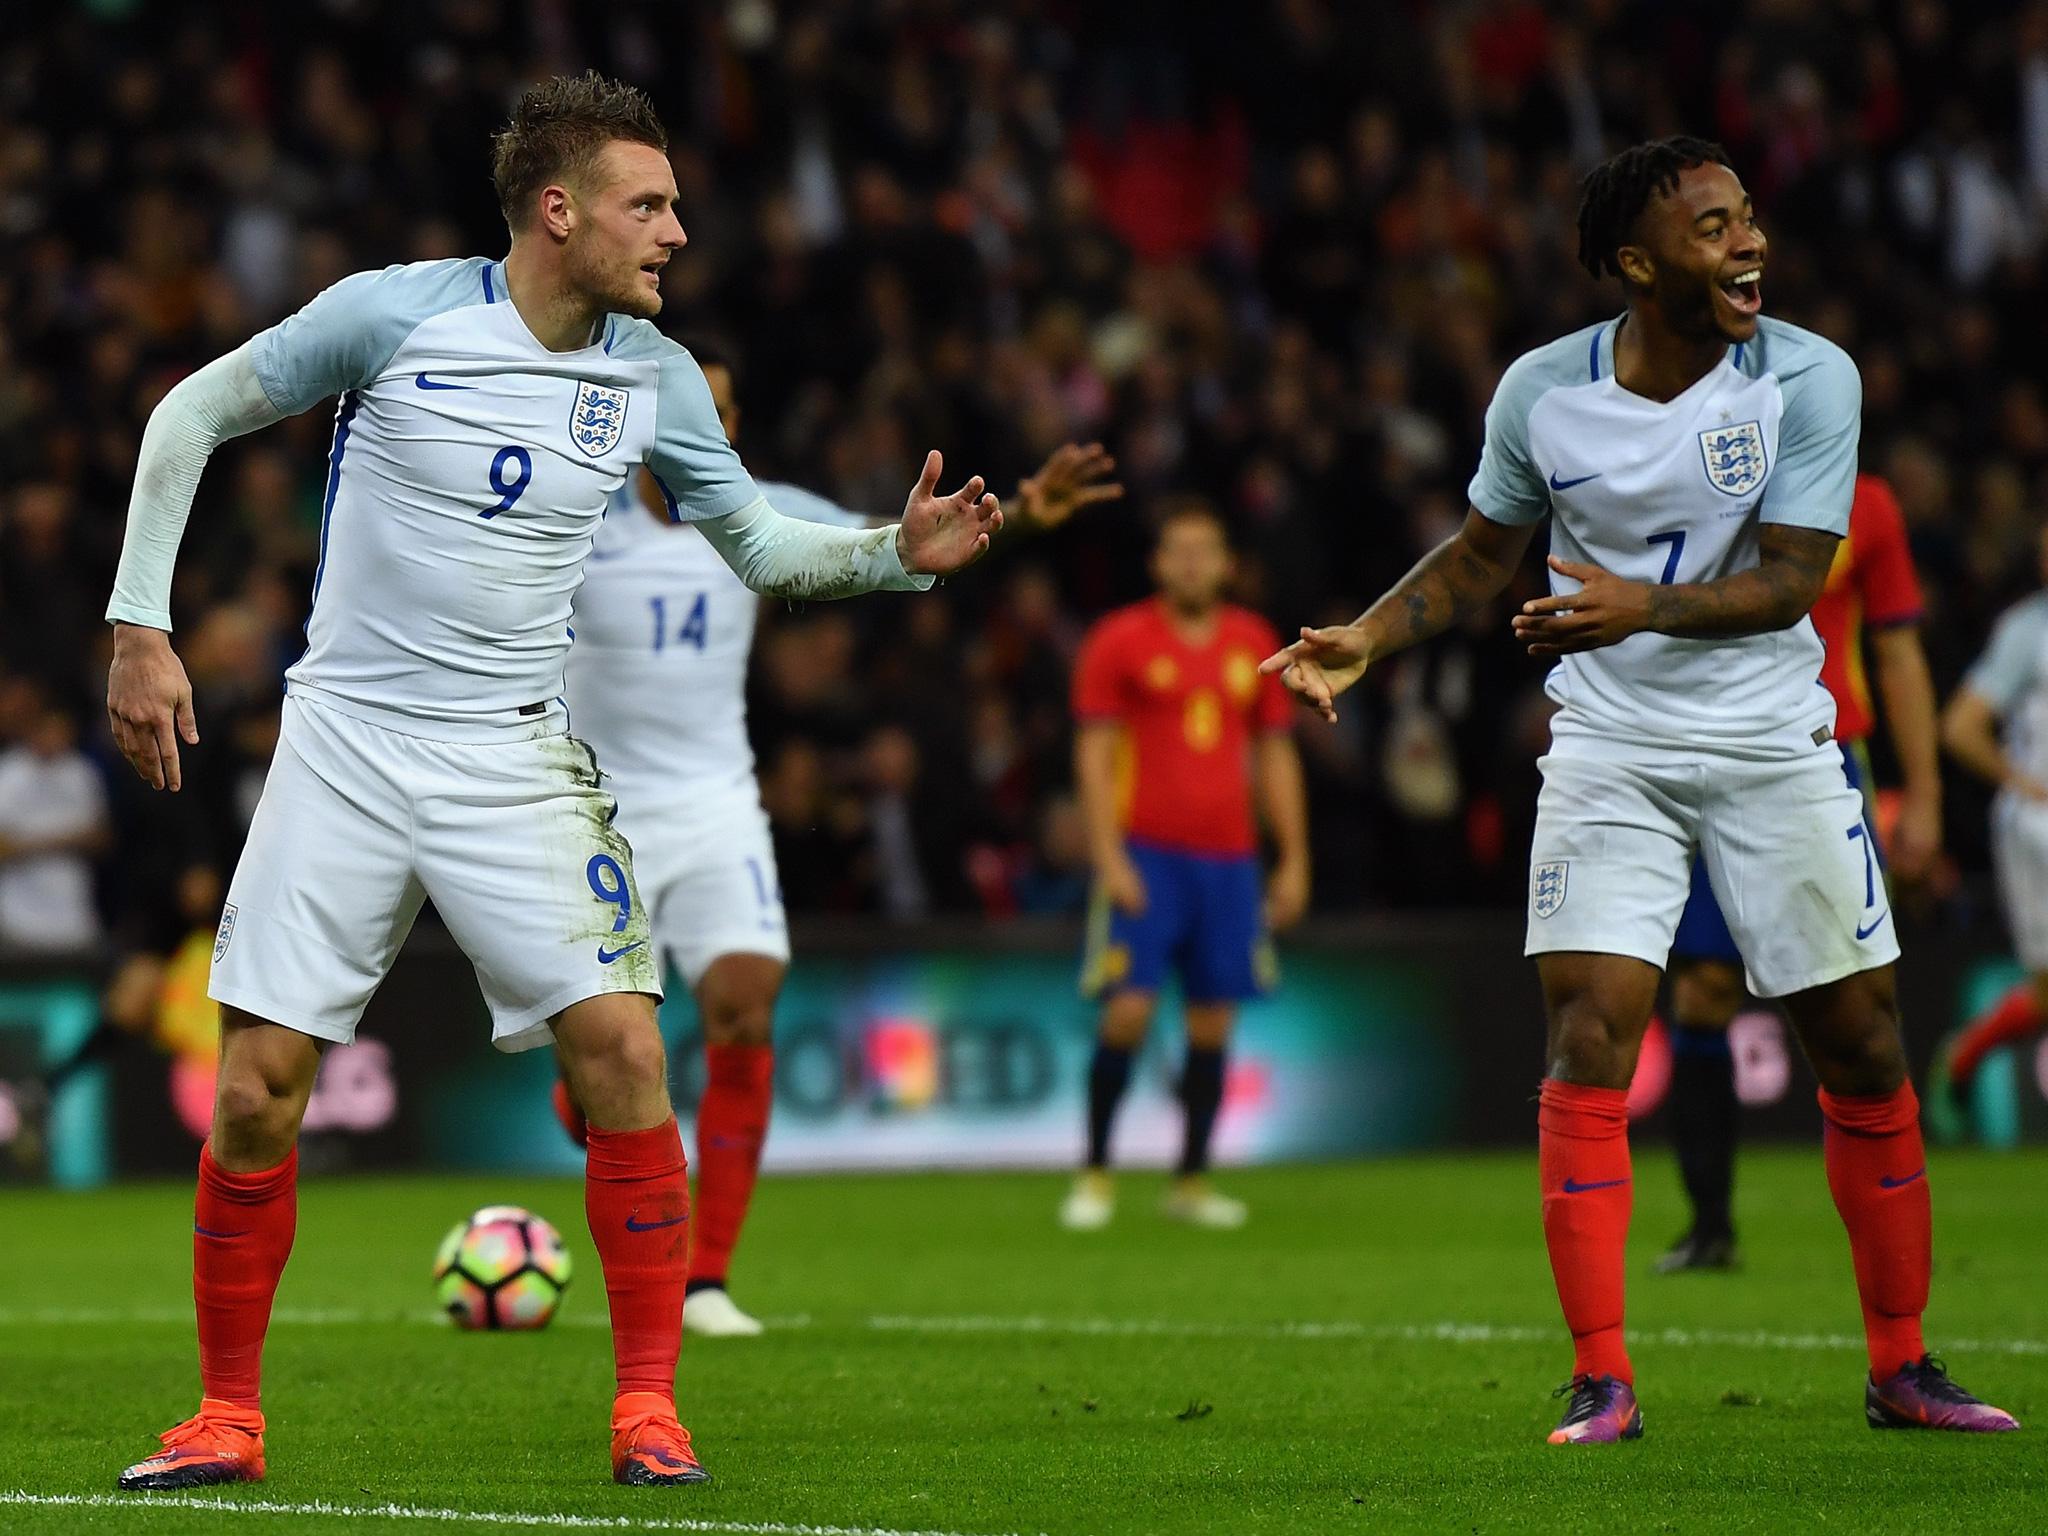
(1273, 254)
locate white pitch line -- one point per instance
(1085, 1327)
(1432, 1333)
(143, 1502)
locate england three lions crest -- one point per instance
(1734, 457)
(1547, 884)
(598, 418)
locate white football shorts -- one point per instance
(2019, 853)
(710, 878)
(513, 840)
(1788, 851)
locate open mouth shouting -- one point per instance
(1744, 292)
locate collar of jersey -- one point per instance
(1603, 352)
(496, 292)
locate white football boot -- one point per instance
(711, 1313)
(1090, 1203)
(1192, 1200)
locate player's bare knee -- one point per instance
(1126, 1020)
(630, 1057)
(1592, 1045)
(1850, 1030)
(736, 1000)
(1209, 1025)
(1705, 995)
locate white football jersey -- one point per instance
(2012, 675)
(1675, 491)
(658, 671)
(470, 471)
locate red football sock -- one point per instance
(1586, 1200)
(2013, 1017)
(636, 1194)
(242, 1230)
(732, 1122)
(1877, 1171)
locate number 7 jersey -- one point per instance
(469, 474)
(1678, 491)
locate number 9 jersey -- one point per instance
(469, 473)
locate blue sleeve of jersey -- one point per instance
(795, 501)
(1508, 487)
(698, 471)
(343, 339)
(2007, 669)
(1815, 478)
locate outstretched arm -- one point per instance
(789, 557)
(1446, 586)
(149, 700)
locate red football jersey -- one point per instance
(1871, 584)
(1190, 714)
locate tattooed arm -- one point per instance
(1446, 585)
(1776, 594)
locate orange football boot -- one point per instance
(221, 1443)
(649, 1446)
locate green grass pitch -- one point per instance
(1373, 1352)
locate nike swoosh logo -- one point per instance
(1863, 933)
(1574, 1187)
(205, 1232)
(655, 1226)
(607, 956)
(426, 383)
(1565, 485)
(1890, 1183)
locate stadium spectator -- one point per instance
(53, 823)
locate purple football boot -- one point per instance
(1920, 1396)
(1602, 1410)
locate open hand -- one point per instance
(1322, 664)
(942, 534)
(1073, 477)
(1605, 610)
(149, 704)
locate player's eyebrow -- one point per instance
(1719, 213)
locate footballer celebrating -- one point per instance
(1696, 462)
(1179, 743)
(488, 410)
(658, 687)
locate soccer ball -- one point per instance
(502, 1268)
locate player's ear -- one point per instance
(557, 216)
(1636, 265)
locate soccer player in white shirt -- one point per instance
(1997, 727)
(657, 685)
(488, 410)
(1696, 462)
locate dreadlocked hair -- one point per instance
(1615, 193)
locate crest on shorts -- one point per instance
(225, 932)
(598, 418)
(1734, 457)
(1546, 886)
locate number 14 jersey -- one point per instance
(1677, 491)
